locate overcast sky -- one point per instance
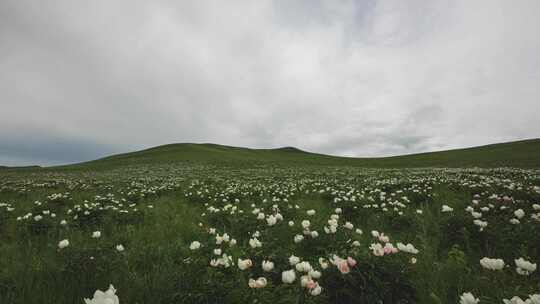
(83, 79)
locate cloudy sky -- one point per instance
(84, 79)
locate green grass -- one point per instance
(152, 268)
(521, 154)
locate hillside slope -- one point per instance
(525, 154)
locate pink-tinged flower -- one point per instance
(351, 262)
(343, 267)
(311, 284)
(389, 248)
(316, 290)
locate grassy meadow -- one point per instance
(193, 223)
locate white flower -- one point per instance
(311, 212)
(314, 234)
(291, 223)
(244, 264)
(107, 297)
(288, 276)
(314, 274)
(306, 224)
(349, 225)
(195, 245)
(271, 220)
(468, 298)
(219, 239)
(409, 248)
(514, 300)
(254, 243)
(63, 222)
(303, 267)
(267, 266)
(481, 224)
(323, 263)
(476, 215)
(96, 234)
(338, 210)
(217, 251)
(377, 249)
(524, 267)
(519, 213)
(492, 264)
(63, 244)
(446, 208)
(298, 238)
(331, 229)
(259, 283)
(514, 221)
(533, 299)
(119, 247)
(293, 260)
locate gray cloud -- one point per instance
(80, 79)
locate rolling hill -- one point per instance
(524, 154)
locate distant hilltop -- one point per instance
(19, 167)
(521, 154)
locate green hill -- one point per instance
(525, 154)
(19, 167)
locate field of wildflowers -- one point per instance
(269, 234)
